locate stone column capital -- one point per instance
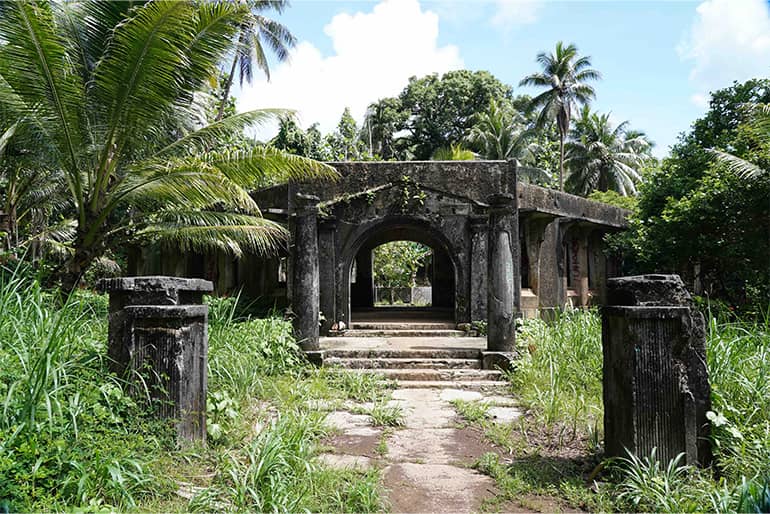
(479, 223)
(501, 201)
(306, 204)
(329, 223)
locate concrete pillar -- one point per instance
(158, 342)
(479, 228)
(502, 274)
(582, 267)
(327, 261)
(656, 388)
(598, 266)
(305, 289)
(551, 293)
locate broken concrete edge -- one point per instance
(504, 361)
(315, 357)
(647, 290)
(166, 311)
(154, 283)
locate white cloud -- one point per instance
(728, 40)
(516, 12)
(375, 53)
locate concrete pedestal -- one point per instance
(158, 342)
(656, 389)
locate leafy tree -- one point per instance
(602, 157)
(345, 143)
(565, 75)
(396, 264)
(254, 30)
(441, 110)
(104, 104)
(700, 219)
(500, 133)
(759, 124)
(383, 120)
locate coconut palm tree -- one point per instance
(760, 122)
(566, 76)
(103, 119)
(602, 157)
(500, 133)
(255, 30)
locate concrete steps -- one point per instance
(403, 363)
(491, 386)
(433, 374)
(446, 368)
(389, 353)
(402, 333)
(389, 325)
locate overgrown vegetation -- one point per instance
(70, 438)
(559, 381)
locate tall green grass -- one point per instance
(560, 373)
(68, 434)
(559, 379)
(266, 435)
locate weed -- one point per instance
(384, 415)
(471, 411)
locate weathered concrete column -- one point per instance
(327, 230)
(656, 388)
(305, 289)
(158, 342)
(502, 275)
(582, 265)
(479, 228)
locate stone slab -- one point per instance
(342, 461)
(435, 488)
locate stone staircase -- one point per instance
(424, 364)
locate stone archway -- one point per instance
(448, 265)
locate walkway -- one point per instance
(427, 462)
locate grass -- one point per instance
(384, 415)
(559, 381)
(71, 439)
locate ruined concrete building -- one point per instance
(559, 258)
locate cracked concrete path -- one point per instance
(426, 463)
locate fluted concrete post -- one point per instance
(503, 263)
(305, 290)
(479, 254)
(656, 388)
(327, 260)
(158, 342)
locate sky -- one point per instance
(659, 59)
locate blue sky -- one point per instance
(659, 59)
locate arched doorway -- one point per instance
(441, 272)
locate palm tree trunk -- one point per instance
(226, 92)
(13, 227)
(561, 160)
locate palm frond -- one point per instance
(740, 167)
(265, 166)
(180, 182)
(207, 137)
(140, 77)
(35, 69)
(201, 231)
